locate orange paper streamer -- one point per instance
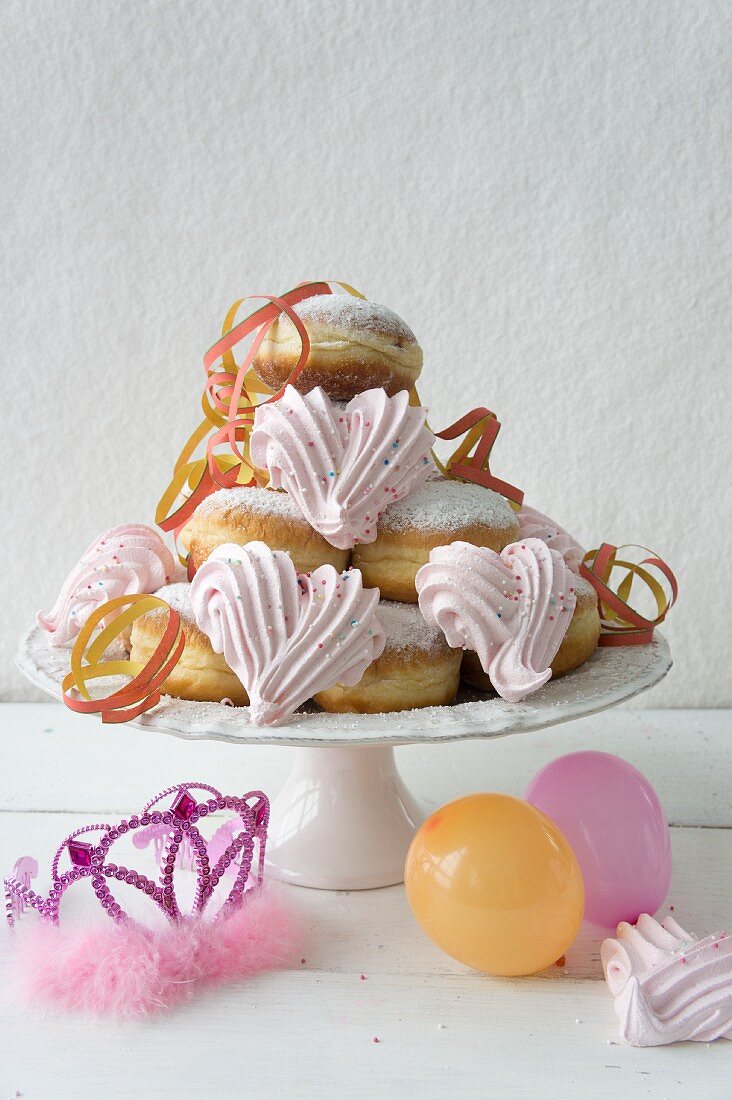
(613, 578)
(87, 661)
(230, 397)
(480, 428)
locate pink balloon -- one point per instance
(612, 818)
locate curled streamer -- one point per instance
(479, 428)
(88, 663)
(230, 396)
(614, 578)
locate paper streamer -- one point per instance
(613, 578)
(480, 428)
(88, 663)
(231, 395)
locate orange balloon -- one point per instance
(494, 883)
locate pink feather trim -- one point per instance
(127, 970)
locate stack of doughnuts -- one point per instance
(355, 347)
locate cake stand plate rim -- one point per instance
(612, 676)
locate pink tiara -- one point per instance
(176, 827)
(123, 967)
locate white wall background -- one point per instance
(538, 188)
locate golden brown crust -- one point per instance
(230, 519)
(200, 675)
(399, 680)
(341, 374)
(583, 633)
(578, 644)
(354, 346)
(391, 562)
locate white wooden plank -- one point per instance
(687, 755)
(296, 1035)
(302, 1036)
(309, 1032)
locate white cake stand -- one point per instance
(344, 819)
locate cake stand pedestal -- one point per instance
(344, 819)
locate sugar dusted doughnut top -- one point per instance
(252, 500)
(583, 589)
(443, 504)
(249, 514)
(349, 318)
(178, 598)
(406, 629)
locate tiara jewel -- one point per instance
(177, 843)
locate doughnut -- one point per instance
(242, 515)
(578, 643)
(354, 346)
(416, 669)
(440, 512)
(201, 674)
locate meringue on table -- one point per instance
(668, 985)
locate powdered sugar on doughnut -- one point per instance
(264, 502)
(443, 504)
(178, 598)
(406, 628)
(351, 316)
(582, 587)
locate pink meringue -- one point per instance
(343, 465)
(285, 636)
(535, 525)
(512, 608)
(123, 561)
(668, 985)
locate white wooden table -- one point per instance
(443, 1031)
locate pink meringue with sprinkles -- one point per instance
(535, 525)
(343, 465)
(123, 561)
(285, 636)
(513, 608)
(669, 986)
